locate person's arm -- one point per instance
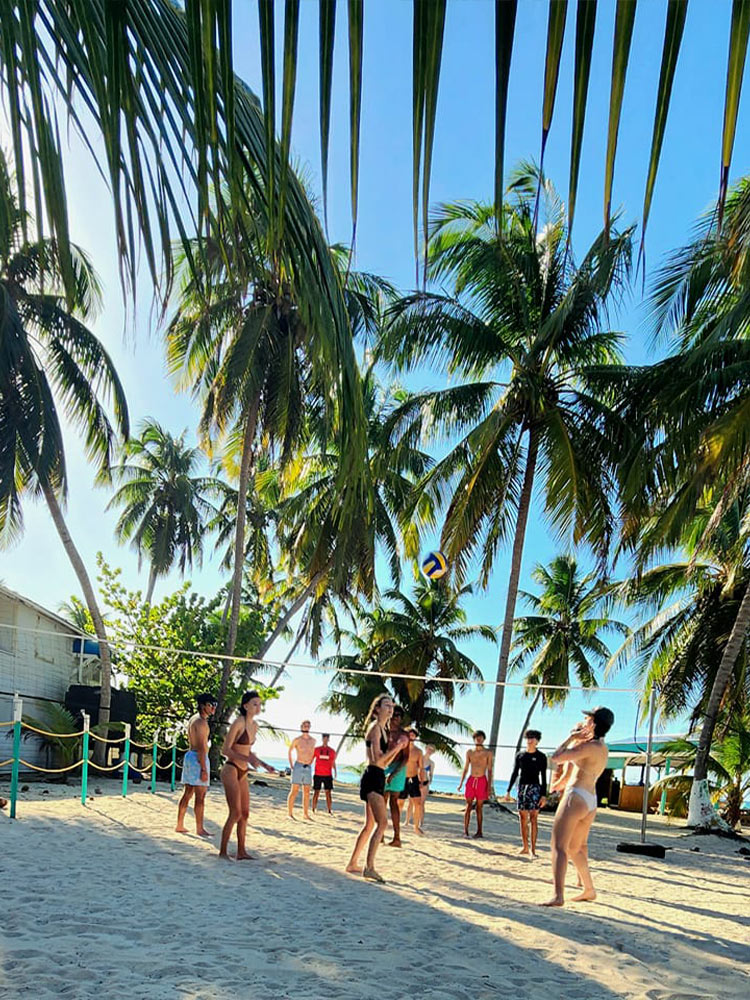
(255, 760)
(389, 755)
(572, 754)
(513, 775)
(334, 771)
(292, 746)
(466, 768)
(201, 738)
(488, 772)
(543, 775)
(421, 772)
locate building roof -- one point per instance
(45, 612)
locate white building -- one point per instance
(37, 660)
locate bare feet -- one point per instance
(419, 832)
(374, 876)
(524, 850)
(203, 833)
(224, 856)
(181, 829)
(394, 843)
(587, 896)
(353, 870)
(478, 836)
(245, 856)
(555, 901)
(308, 817)
(292, 816)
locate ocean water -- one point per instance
(440, 783)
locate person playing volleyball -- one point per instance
(479, 785)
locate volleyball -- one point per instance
(434, 565)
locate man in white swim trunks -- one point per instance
(304, 747)
(196, 770)
(586, 753)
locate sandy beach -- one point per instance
(109, 902)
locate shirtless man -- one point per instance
(196, 771)
(479, 785)
(415, 776)
(586, 752)
(396, 774)
(304, 747)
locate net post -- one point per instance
(126, 760)
(649, 746)
(85, 755)
(17, 713)
(173, 777)
(153, 762)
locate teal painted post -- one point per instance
(17, 710)
(85, 755)
(173, 782)
(663, 802)
(153, 762)
(126, 760)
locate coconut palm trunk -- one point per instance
(248, 442)
(524, 507)
(289, 613)
(151, 584)
(96, 616)
(701, 813)
(527, 720)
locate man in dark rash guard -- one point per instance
(531, 770)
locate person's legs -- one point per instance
(579, 855)
(571, 811)
(425, 793)
(329, 801)
(306, 802)
(534, 820)
(395, 819)
(410, 811)
(380, 817)
(418, 810)
(242, 854)
(316, 796)
(480, 810)
(182, 808)
(523, 819)
(232, 792)
(291, 799)
(362, 836)
(199, 809)
(467, 816)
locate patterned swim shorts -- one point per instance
(191, 771)
(529, 797)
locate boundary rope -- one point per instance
(46, 732)
(4, 762)
(261, 661)
(50, 770)
(102, 739)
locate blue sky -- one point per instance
(463, 168)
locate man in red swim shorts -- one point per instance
(479, 785)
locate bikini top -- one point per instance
(383, 742)
(243, 738)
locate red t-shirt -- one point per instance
(324, 758)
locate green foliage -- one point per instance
(56, 718)
(165, 683)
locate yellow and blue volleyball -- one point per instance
(434, 565)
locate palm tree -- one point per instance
(692, 411)
(53, 368)
(166, 507)
(563, 634)
(524, 336)
(183, 123)
(418, 637)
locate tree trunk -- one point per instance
(344, 738)
(96, 615)
(239, 556)
(524, 506)
(151, 584)
(290, 612)
(530, 712)
(287, 658)
(701, 813)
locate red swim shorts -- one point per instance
(477, 788)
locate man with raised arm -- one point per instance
(479, 785)
(196, 770)
(304, 747)
(325, 772)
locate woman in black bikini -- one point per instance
(239, 757)
(372, 785)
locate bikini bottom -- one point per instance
(588, 797)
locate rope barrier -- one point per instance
(50, 770)
(143, 746)
(222, 657)
(4, 762)
(102, 739)
(100, 768)
(5, 724)
(46, 732)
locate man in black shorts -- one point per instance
(531, 769)
(325, 772)
(415, 778)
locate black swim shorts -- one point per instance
(413, 787)
(322, 781)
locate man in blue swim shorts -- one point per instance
(304, 747)
(196, 770)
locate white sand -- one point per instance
(108, 902)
